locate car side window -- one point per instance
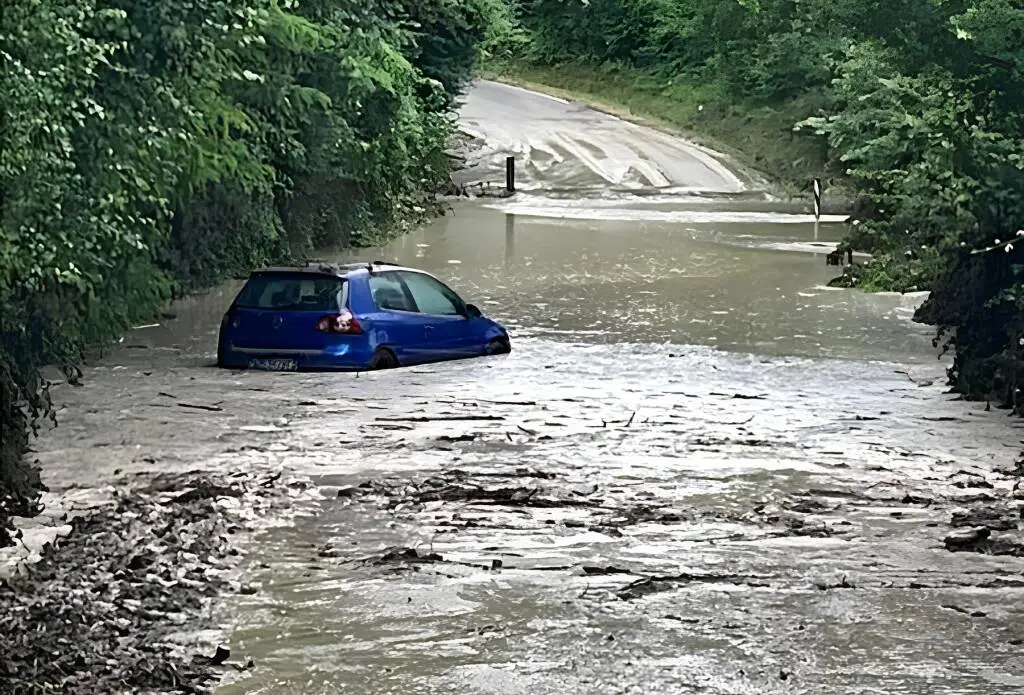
(389, 292)
(433, 297)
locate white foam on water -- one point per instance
(625, 214)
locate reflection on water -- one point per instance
(510, 238)
(736, 286)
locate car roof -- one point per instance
(340, 270)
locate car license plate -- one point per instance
(274, 365)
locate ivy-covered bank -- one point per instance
(150, 148)
(918, 106)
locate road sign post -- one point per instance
(817, 207)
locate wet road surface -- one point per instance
(570, 145)
(698, 471)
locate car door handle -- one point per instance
(428, 328)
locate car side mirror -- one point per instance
(473, 311)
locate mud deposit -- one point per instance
(704, 532)
(120, 605)
(700, 470)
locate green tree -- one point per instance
(147, 149)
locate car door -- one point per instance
(449, 333)
(402, 327)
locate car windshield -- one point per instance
(299, 291)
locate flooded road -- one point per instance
(699, 471)
(749, 287)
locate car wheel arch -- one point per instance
(390, 358)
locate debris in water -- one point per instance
(443, 418)
(457, 438)
(967, 538)
(841, 584)
(993, 518)
(652, 585)
(399, 554)
(130, 574)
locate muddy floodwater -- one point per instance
(699, 471)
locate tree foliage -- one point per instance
(148, 148)
(923, 113)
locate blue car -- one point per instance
(351, 317)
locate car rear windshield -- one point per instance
(296, 291)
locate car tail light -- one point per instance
(344, 322)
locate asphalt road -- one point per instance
(560, 143)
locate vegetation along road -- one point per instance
(701, 469)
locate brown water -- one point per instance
(631, 341)
(693, 406)
(752, 287)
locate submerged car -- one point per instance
(351, 317)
